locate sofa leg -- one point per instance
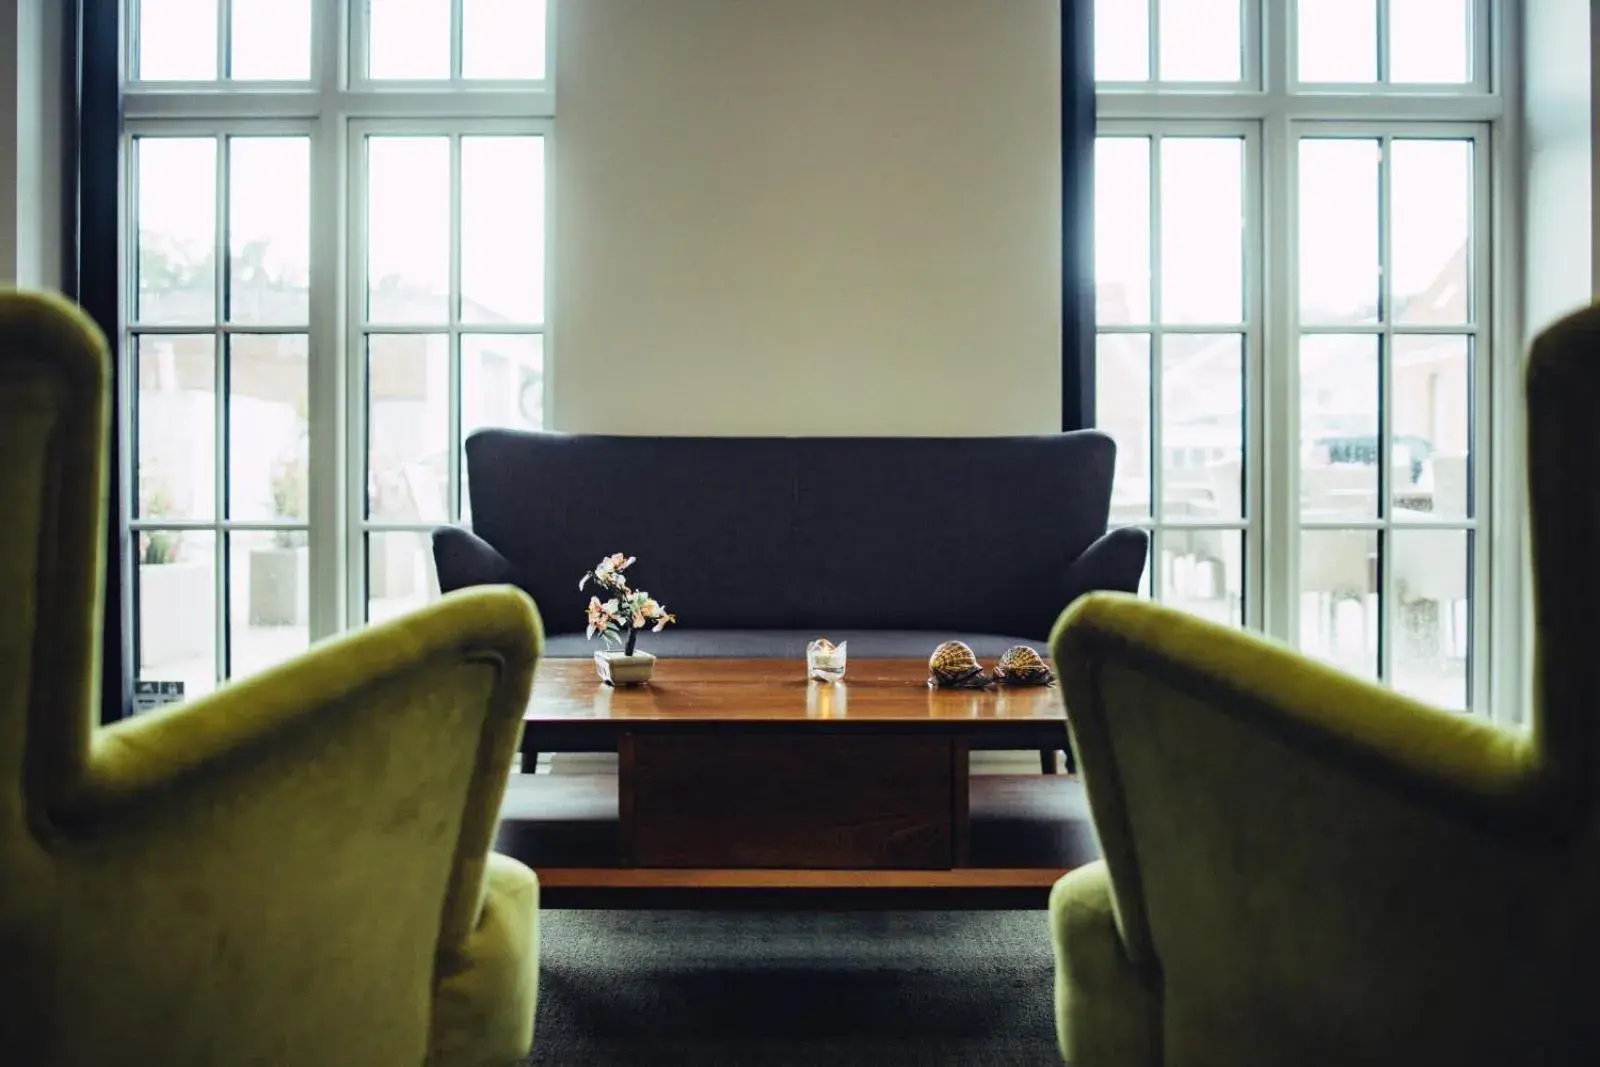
(530, 762)
(1047, 761)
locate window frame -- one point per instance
(1281, 110)
(359, 329)
(329, 107)
(1252, 355)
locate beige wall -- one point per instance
(806, 217)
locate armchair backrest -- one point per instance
(54, 370)
(1563, 412)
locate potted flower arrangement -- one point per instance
(618, 620)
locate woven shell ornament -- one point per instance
(953, 666)
(1021, 665)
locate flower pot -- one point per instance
(617, 668)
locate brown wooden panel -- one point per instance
(789, 800)
(960, 823)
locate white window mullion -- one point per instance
(1279, 459)
(1387, 616)
(453, 436)
(1153, 38)
(1383, 41)
(222, 549)
(1158, 574)
(224, 37)
(457, 38)
(327, 473)
(355, 369)
(1495, 538)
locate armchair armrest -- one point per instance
(464, 559)
(389, 746)
(1222, 765)
(1115, 563)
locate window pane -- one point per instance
(400, 573)
(269, 230)
(1338, 41)
(267, 428)
(1339, 427)
(177, 221)
(408, 229)
(1429, 41)
(1339, 598)
(175, 594)
(1121, 40)
(502, 382)
(503, 39)
(1122, 229)
(1200, 40)
(1204, 573)
(270, 40)
(1431, 183)
(269, 599)
(1202, 229)
(1432, 614)
(1122, 409)
(177, 40)
(1432, 396)
(502, 385)
(502, 229)
(1338, 237)
(176, 428)
(1202, 427)
(408, 39)
(408, 428)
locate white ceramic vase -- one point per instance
(618, 668)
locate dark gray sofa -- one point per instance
(760, 544)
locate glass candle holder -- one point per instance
(824, 660)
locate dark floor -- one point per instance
(766, 988)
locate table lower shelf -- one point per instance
(1025, 832)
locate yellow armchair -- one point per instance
(1301, 867)
(292, 870)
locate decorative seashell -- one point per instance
(1021, 665)
(954, 666)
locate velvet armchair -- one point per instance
(294, 869)
(1301, 867)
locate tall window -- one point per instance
(1295, 226)
(335, 271)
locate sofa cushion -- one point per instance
(791, 644)
(808, 533)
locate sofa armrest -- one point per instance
(1115, 563)
(464, 559)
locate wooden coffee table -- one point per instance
(743, 777)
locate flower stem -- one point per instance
(633, 635)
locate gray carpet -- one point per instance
(767, 988)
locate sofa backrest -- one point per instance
(820, 533)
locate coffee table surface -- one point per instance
(777, 690)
